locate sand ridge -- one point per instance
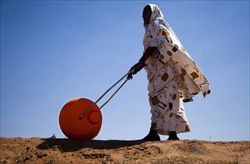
(38, 150)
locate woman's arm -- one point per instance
(138, 66)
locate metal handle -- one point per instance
(92, 105)
(114, 93)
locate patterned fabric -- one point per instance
(173, 76)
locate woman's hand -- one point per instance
(133, 70)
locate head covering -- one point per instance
(157, 25)
(158, 33)
(156, 12)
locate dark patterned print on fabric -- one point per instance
(165, 76)
(194, 75)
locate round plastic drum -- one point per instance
(86, 128)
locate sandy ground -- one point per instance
(50, 151)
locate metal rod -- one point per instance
(92, 105)
(111, 88)
(114, 94)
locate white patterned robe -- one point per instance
(173, 76)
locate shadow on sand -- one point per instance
(67, 145)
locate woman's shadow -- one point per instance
(68, 145)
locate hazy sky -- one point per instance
(53, 51)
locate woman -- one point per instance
(173, 76)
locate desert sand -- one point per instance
(52, 150)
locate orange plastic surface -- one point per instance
(86, 128)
